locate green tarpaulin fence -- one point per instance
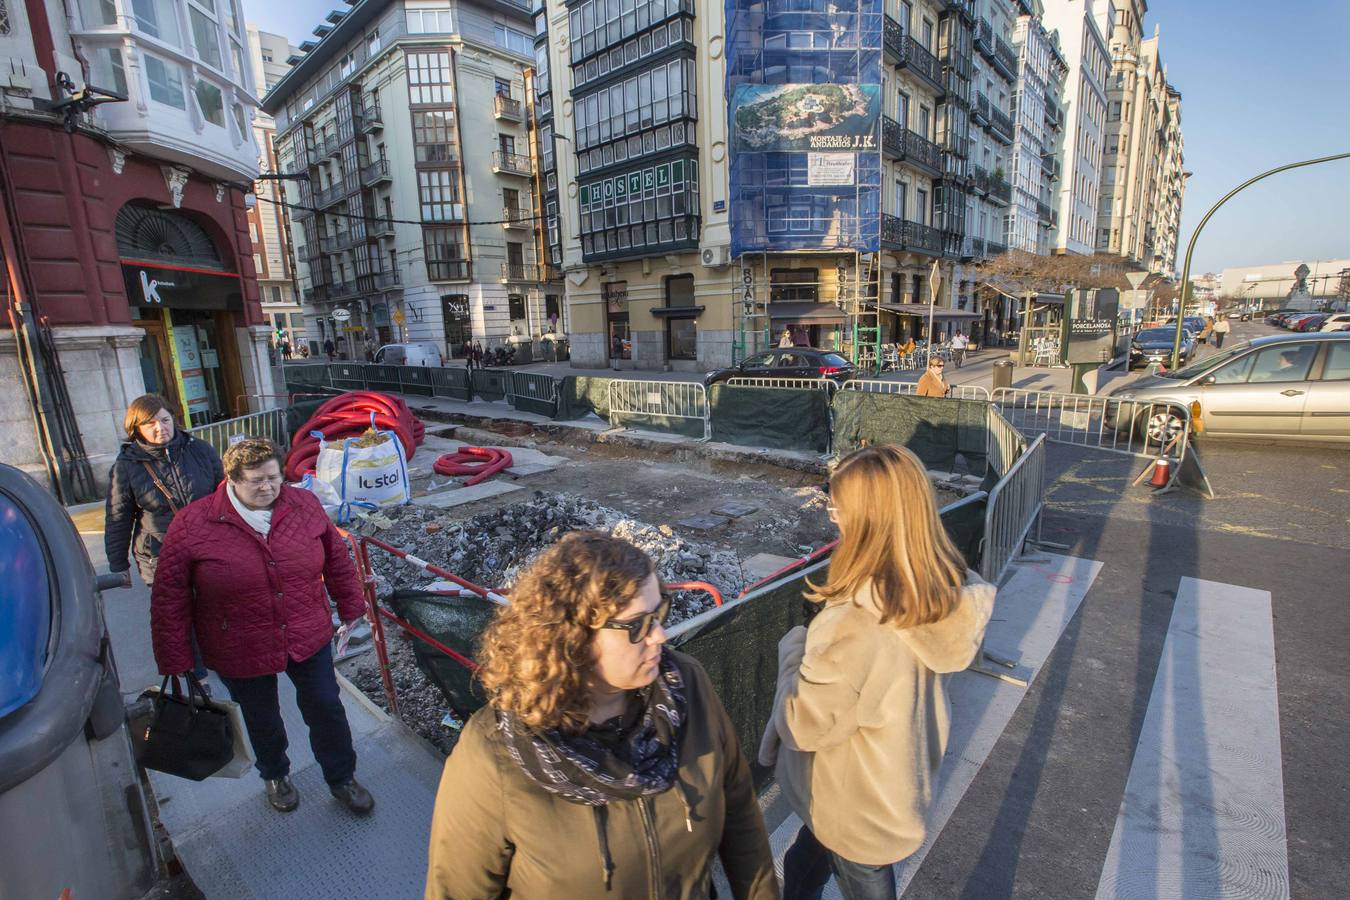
(935, 428)
(778, 418)
(582, 394)
(491, 385)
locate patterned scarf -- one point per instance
(581, 769)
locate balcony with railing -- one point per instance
(335, 242)
(980, 181)
(375, 172)
(369, 119)
(385, 279)
(979, 109)
(317, 294)
(1005, 58)
(334, 193)
(1048, 163)
(1000, 125)
(503, 107)
(516, 217)
(1043, 212)
(966, 8)
(978, 248)
(902, 234)
(893, 39)
(449, 269)
(524, 272)
(1052, 116)
(898, 142)
(984, 38)
(379, 227)
(922, 63)
(327, 146)
(1000, 191)
(504, 163)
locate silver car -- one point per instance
(1287, 387)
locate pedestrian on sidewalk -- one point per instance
(330, 349)
(249, 570)
(860, 716)
(159, 470)
(931, 384)
(604, 764)
(467, 352)
(960, 344)
(1221, 329)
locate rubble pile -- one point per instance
(490, 549)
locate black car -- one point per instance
(1155, 345)
(788, 362)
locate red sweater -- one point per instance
(254, 602)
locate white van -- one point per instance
(424, 353)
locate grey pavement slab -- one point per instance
(458, 496)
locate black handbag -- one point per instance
(184, 736)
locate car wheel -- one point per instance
(1159, 426)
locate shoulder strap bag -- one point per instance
(160, 484)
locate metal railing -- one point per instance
(533, 392)
(516, 217)
(667, 399)
(514, 163)
(922, 62)
(369, 118)
(270, 423)
(814, 384)
(504, 107)
(1013, 507)
(1141, 428)
(375, 171)
(906, 235)
(872, 386)
(1006, 444)
(521, 272)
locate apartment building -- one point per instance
(1081, 25)
(268, 220)
(126, 125)
(692, 239)
(1038, 123)
(1165, 221)
(413, 216)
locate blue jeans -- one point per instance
(316, 693)
(807, 866)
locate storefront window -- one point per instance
(682, 338)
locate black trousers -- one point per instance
(316, 693)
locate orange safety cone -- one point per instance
(1162, 471)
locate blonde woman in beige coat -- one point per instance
(861, 713)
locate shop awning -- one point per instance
(921, 309)
(678, 312)
(806, 312)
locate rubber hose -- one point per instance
(480, 462)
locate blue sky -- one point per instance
(1262, 84)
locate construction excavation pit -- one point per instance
(717, 522)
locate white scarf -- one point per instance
(260, 520)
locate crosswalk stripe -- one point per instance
(1203, 811)
(1030, 614)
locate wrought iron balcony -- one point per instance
(979, 110)
(922, 63)
(893, 39)
(902, 234)
(378, 227)
(1048, 163)
(375, 172)
(984, 37)
(449, 269)
(1005, 59)
(334, 193)
(1000, 191)
(521, 272)
(978, 248)
(386, 279)
(516, 217)
(899, 142)
(369, 119)
(334, 243)
(510, 163)
(966, 8)
(1043, 212)
(1052, 116)
(503, 107)
(1000, 125)
(980, 180)
(345, 289)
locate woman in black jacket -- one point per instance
(160, 470)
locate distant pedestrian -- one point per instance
(478, 354)
(330, 349)
(960, 344)
(249, 570)
(286, 350)
(931, 384)
(861, 716)
(785, 339)
(466, 350)
(369, 347)
(1206, 330)
(1221, 329)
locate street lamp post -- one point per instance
(1190, 246)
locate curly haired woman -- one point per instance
(604, 763)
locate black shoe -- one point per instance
(353, 796)
(282, 794)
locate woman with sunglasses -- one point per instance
(931, 384)
(861, 714)
(604, 763)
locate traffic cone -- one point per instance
(1162, 471)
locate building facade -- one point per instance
(413, 208)
(689, 243)
(1080, 25)
(269, 219)
(1143, 180)
(129, 133)
(1298, 284)
(1037, 165)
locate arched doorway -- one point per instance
(187, 299)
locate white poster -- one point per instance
(829, 168)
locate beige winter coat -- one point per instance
(862, 714)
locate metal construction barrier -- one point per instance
(415, 379)
(534, 392)
(871, 386)
(305, 375)
(270, 424)
(491, 384)
(819, 384)
(349, 376)
(1006, 443)
(1014, 506)
(382, 377)
(680, 407)
(453, 383)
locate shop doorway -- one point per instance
(620, 340)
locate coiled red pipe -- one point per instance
(349, 415)
(480, 462)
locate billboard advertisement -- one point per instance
(804, 117)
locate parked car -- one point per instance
(1293, 320)
(1313, 322)
(1284, 387)
(1335, 320)
(788, 362)
(1275, 316)
(1242, 315)
(424, 353)
(1154, 345)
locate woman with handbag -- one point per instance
(861, 715)
(604, 764)
(250, 570)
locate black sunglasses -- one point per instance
(638, 629)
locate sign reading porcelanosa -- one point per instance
(778, 118)
(172, 287)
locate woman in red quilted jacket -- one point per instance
(249, 570)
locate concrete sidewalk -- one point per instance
(236, 847)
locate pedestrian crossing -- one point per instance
(1203, 808)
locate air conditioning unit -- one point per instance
(718, 257)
